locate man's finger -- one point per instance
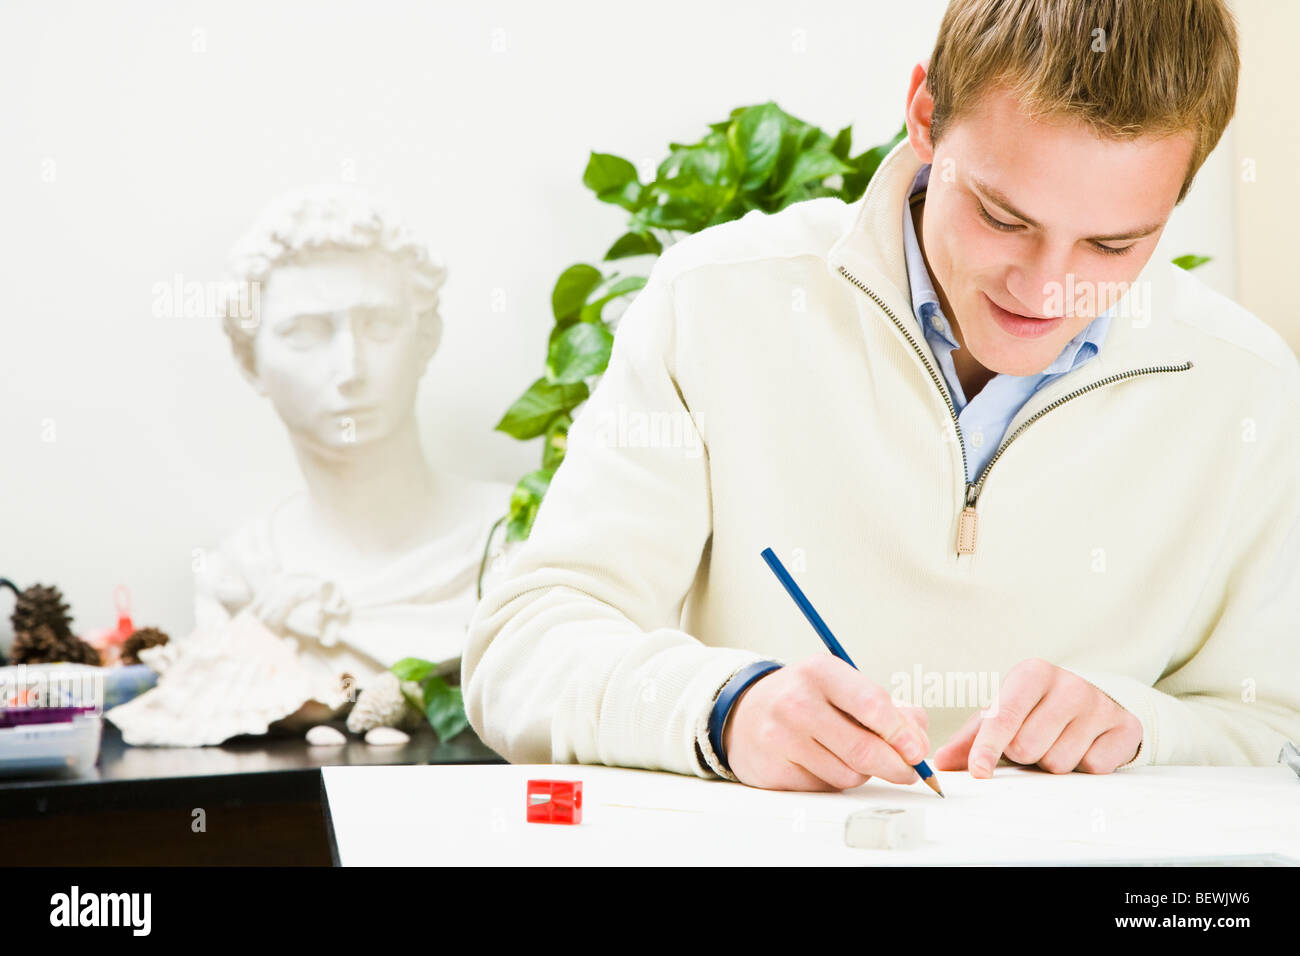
(1023, 688)
(1039, 731)
(871, 706)
(860, 749)
(796, 777)
(1070, 746)
(919, 715)
(1107, 752)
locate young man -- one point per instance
(998, 443)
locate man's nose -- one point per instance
(1042, 283)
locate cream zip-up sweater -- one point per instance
(1140, 525)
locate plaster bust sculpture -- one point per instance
(378, 558)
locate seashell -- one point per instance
(385, 737)
(234, 679)
(382, 704)
(161, 656)
(322, 735)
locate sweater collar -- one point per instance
(871, 249)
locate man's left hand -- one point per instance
(1047, 716)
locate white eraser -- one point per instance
(885, 828)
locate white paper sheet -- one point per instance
(474, 815)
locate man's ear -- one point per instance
(920, 112)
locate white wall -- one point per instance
(140, 139)
(1268, 155)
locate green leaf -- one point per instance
(613, 179)
(813, 138)
(582, 351)
(412, 668)
(784, 164)
(518, 527)
(703, 176)
(866, 164)
(1191, 261)
(572, 288)
(811, 167)
(535, 483)
(675, 213)
(525, 500)
(444, 708)
(557, 330)
(533, 411)
(594, 311)
(843, 142)
(755, 140)
(634, 244)
(556, 442)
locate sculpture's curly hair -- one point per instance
(316, 219)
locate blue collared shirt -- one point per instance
(985, 418)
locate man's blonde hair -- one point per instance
(1127, 67)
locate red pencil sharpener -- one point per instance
(554, 801)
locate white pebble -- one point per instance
(325, 736)
(385, 737)
(885, 828)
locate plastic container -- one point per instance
(66, 742)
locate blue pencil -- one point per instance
(832, 645)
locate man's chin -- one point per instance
(1020, 361)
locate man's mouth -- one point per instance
(1021, 326)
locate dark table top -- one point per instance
(242, 770)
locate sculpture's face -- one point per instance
(338, 350)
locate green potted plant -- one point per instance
(760, 157)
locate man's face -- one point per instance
(338, 350)
(1014, 206)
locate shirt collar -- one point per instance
(925, 301)
(1083, 346)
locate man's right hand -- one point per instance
(821, 725)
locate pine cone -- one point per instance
(39, 605)
(44, 646)
(37, 646)
(140, 639)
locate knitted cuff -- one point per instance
(705, 750)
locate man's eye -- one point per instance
(1009, 227)
(997, 223)
(1113, 250)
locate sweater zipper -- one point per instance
(967, 521)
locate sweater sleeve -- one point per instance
(1236, 699)
(575, 654)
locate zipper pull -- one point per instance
(967, 524)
